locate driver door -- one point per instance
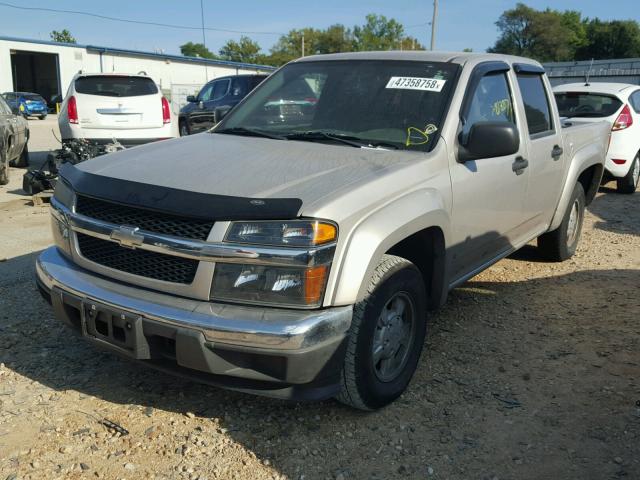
(488, 193)
(197, 118)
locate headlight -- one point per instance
(296, 233)
(286, 286)
(59, 225)
(63, 193)
(278, 286)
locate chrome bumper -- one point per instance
(278, 330)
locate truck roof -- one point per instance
(421, 55)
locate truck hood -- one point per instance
(250, 167)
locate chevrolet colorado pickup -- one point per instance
(295, 252)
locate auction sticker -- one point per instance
(416, 83)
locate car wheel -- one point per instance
(184, 129)
(561, 243)
(629, 183)
(42, 117)
(386, 336)
(23, 160)
(4, 167)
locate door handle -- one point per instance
(519, 165)
(556, 152)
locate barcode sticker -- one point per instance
(416, 83)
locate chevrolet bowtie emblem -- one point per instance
(127, 236)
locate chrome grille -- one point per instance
(144, 219)
(148, 264)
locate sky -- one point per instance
(461, 24)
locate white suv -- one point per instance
(102, 107)
(618, 103)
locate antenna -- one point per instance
(586, 77)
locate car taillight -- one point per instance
(72, 110)
(624, 120)
(166, 113)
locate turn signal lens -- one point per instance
(314, 282)
(72, 110)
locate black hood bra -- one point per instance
(178, 202)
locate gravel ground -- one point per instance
(531, 370)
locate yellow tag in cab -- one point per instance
(415, 136)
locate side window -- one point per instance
(205, 93)
(491, 101)
(634, 99)
(536, 103)
(239, 87)
(220, 89)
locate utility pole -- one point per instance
(303, 43)
(433, 24)
(204, 40)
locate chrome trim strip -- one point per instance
(197, 249)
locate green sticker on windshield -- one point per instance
(416, 136)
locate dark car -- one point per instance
(27, 104)
(221, 94)
(14, 134)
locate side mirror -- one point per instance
(488, 140)
(192, 99)
(219, 113)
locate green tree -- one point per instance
(612, 39)
(63, 37)
(191, 49)
(378, 33)
(246, 50)
(547, 35)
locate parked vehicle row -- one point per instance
(618, 104)
(299, 251)
(26, 104)
(14, 135)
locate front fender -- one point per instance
(591, 154)
(380, 231)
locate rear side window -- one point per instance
(586, 104)
(114, 86)
(634, 99)
(220, 89)
(4, 108)
(255, 81)
(491, 102)
(536, 103)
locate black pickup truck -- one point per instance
(221, 94)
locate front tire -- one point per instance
(629, 183)
(184, 128)
(42, 117)
(386, 336)
(561, 243)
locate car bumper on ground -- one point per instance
(289, 354)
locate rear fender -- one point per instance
(591, 154)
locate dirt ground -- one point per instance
(531, 371)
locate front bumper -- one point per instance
(291, 354)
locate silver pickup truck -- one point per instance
(296, 249)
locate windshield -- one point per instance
(585, 104)
(116, 86)
(33, 97)
(398, 104)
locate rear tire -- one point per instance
(4, 167)
(386, 336)
(629, 183)
(561, 243)
(23, 160)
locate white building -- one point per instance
(48, 67)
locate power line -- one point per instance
(139, 22)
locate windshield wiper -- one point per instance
(251, 132)
(319, 135)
